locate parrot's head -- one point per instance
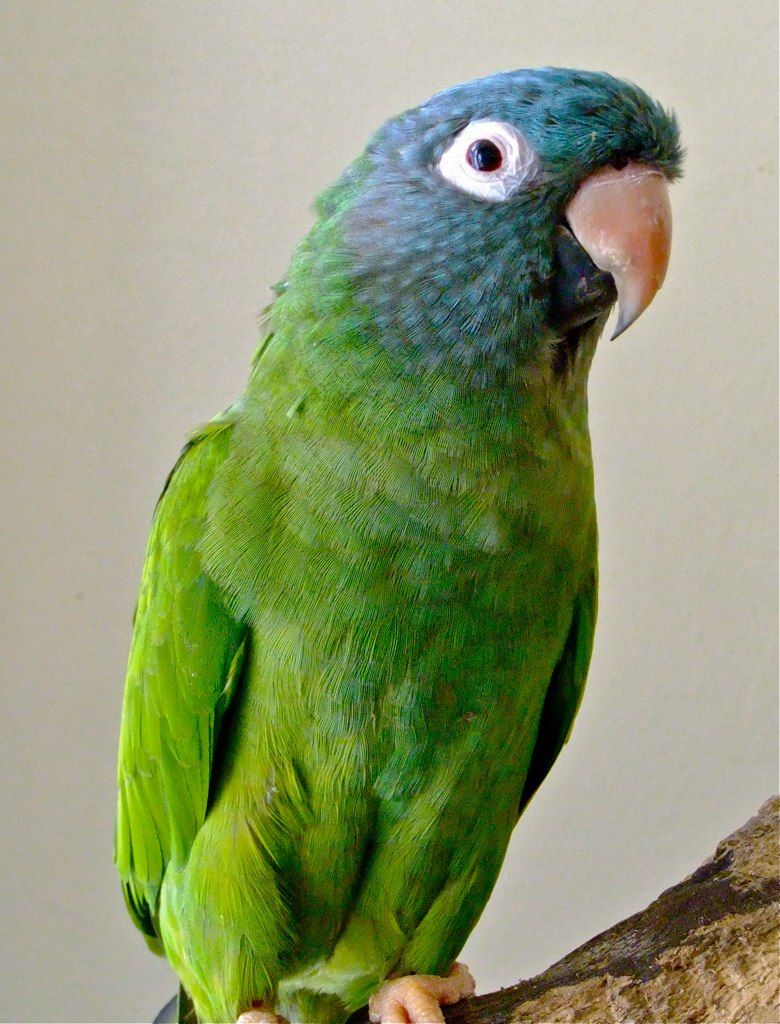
(501, 219)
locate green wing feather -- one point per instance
(184, 664)
(564, 693)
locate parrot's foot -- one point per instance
(259, 1015)
(417, 998)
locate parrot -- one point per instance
(368, 601)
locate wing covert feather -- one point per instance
(565, 691)
(184, 661)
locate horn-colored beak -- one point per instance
(623, 220)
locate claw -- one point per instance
(259, 1015)
(418, 998)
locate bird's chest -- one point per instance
(423, 603)
(403, 622)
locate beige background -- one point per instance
(159, 160)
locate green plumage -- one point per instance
(365, 618)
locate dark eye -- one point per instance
(484, 155)
(619, 163)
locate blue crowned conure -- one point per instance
(369, 596)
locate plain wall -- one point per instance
(159, 161)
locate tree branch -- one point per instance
(705, 952)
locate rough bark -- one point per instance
(704, 952)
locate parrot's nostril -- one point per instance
(619, 163)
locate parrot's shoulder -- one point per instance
(203, 452)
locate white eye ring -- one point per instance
(519, 162)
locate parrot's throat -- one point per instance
(564, 353)
(572, 352)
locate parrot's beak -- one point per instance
(623, 220)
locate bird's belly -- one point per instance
(372, 762)
(384, 766)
